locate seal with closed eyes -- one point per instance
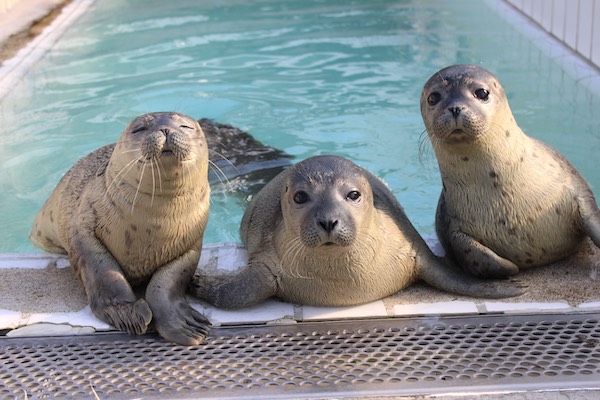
(132, 214)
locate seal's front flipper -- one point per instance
(244, 288)
(183, 325)
(111, 298)
(439, 273)
(175, 320)
(590, 215)
(479, 260)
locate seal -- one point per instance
(327, 232)
(508, 201)
(241, 164)
(132, 214)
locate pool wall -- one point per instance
(576, 23)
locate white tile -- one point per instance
(516, 3)
(441, 308)
(269, 310)
(30, 260)
(492, 307)
(546, 18)
(584, 28)
(527, 7)
(373, 309)
(571, 17)
(226, 257)
(80, 318)
(537, 9)
(9, 319)
(558, 18)
(590, 305)
(596, 36)
(45, 329)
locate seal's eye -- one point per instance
(482, 94)
(185, 127)
(139, 128)
(354, 195)
(434, 98)
(301, 197)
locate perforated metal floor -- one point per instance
(386, 357)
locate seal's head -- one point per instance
(461, 103)
(159, 151)
(325, 202)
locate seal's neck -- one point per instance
(492, 153)
(148, 190)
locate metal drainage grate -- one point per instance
(389, 356)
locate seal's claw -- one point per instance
(183, 325)
(132, 318)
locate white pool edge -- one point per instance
(230, 256)
(13, 69)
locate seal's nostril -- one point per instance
(455, 111)
(328, 225)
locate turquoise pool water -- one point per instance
(309, 77)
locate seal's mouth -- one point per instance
(167, 153)
(328, 244)
(459, 136)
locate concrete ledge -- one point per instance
(41, 296)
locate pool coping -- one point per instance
(230, 256)
(13, 69)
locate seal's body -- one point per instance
(134, 213)
(328, 233)
(508, 201)
(241, 164)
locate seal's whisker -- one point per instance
(138, 187)
(138, 149)
(294, 263)
(153, 182)
(225, 159)
(125, 170)
(159, 166)
(220, 174)
(424, 145)
(158, 174)
(189, 175)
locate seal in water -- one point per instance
(242, 164)
(326, 232)
(508, 201)
(133, 213)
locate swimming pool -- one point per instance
(311, 77)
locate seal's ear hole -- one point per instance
(434, 98)
(482, 94)
(353, 196)
(301, 197)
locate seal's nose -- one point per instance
(455, 111)
(328, 225)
